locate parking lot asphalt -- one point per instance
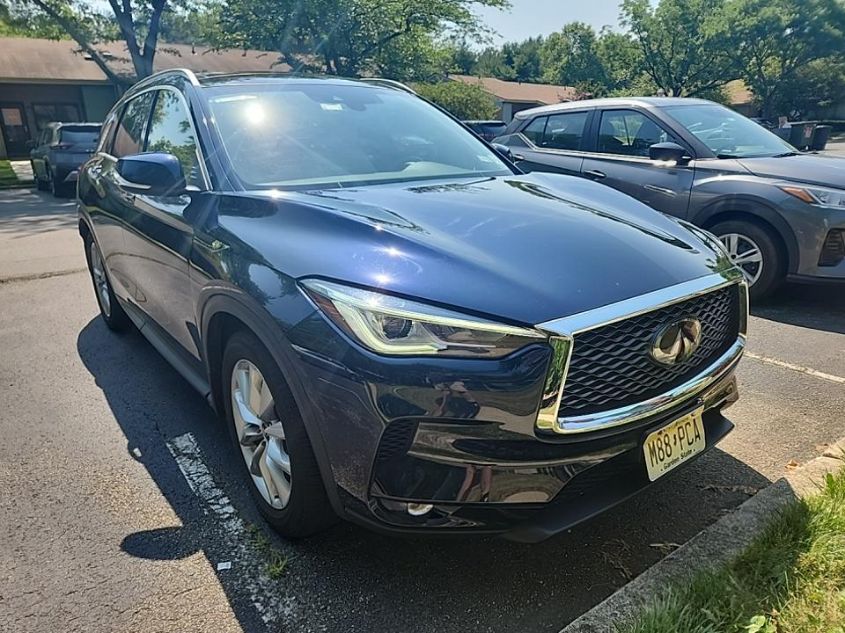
(121, 495)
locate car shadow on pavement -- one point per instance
(351, 579)
(813, 306)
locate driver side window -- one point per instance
(629, 133)
(171, 132)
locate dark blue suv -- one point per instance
(398, 326)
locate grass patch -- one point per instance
(277, 562)
(7, 176)
(790, 580)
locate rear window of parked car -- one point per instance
(557, 131)
(79, 135)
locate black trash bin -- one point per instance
(801, 134)
(821, 135)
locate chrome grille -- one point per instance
(611, 366)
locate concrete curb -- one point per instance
(713, 546)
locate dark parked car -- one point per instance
(778, 212)
(396, 325)
(488, 130)
(59, 151)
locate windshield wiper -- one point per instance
(785, 154)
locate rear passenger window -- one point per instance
(557, 131)
(534, 131)
(565, 131)
(130, 132)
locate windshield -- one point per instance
(728, 134)
(309, 135)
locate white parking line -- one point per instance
(799, 368)
(247, 562)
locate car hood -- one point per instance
(809, 168)
(525, 249)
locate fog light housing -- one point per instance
(833, 249)
(419, 509)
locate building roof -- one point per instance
(60, 61)
(516, 92)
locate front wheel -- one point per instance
(268, 433)
(754, 250)
(111, 311)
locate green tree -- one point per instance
(570, 57)
(622, 60)
(136, 22)
(776, 40)
(818, 85)
(686, 45)
(342, 37)
(523, 59)
(465, 101)
(462, 58)
(491, 63)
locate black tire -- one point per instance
(58, 188)
(113, 314)
(774, 259)
(308, 509)
(40, 183)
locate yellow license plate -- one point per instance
(673, 444)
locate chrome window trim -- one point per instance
(565, 329)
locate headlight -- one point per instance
(819, 196)
(389, 325)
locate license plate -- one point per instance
(673, 444)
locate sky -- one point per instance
(527, 18)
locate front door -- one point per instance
(159, 239)
(15, 130)
(620, 160)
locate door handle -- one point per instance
(595, 173)
(517, 157)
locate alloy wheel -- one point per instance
(745, 254)
(100, 281)
(260, 434)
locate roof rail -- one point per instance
(388, 83)
(188, 74)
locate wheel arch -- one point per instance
(757, 212)
(225, 311)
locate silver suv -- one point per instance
(779, 213)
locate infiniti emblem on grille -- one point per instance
(675, 343)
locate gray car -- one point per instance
(59, 152)
(778, 212)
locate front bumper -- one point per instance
(813, 229)
(471, 487)
(447, 445)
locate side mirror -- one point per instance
(669, 152)
(153, 174)
(505, 151)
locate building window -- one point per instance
(60, 112)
